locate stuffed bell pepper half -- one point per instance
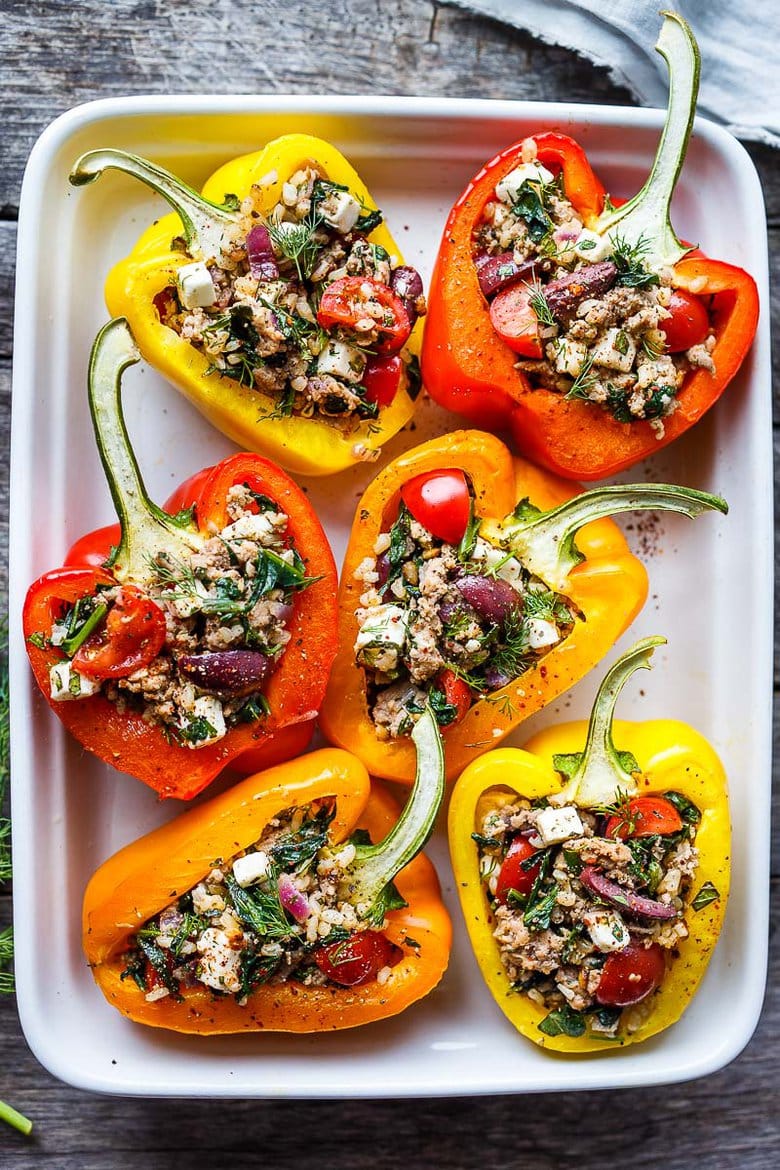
(201, 635)
(593, 872)
(277, 302)
(581, 325)
(463, 588)
(298, 901)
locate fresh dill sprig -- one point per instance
(512, 657)
(631, 261)
(652, 351)
(538, 302)
(6, 958)
(584, 382)
(503, 703)
(546, 606)
(298, 242)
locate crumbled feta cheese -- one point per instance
(196, 288)
(342, 361)
(607, 930)
(203, 901)
(209, 709)
(385, 625)
(542, 633)
(508, 188)
(341, 210)
(220, 963)
(250, 868)
(250, 527)
(592, 247)
(558, 824)
(66, 683)
(570, 357)
(498, 562)
(616, 351)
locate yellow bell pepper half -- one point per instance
(247, 415)
(672, 757)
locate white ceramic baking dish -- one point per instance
(711, 591)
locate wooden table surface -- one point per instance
(57, 53)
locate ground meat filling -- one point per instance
(253, 310)
(265, 916)
(226, 611)
(432, 611)
(599, 306)
(556, 936)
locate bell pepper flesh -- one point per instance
(144, 877)
(608, 588)
(304, 446)
(672, 757)
(467, 367)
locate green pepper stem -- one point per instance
(147, 531)
(644, 222)
(600, 773)
(204, 222)
(15, 1119)
(375, 866)
(545, 543)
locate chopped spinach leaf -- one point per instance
(706, 895)
(686, 808)
(261, 910)
(564, 1021)
(529, 207)
(296, 850)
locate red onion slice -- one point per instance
(624, 899)
(497, 272)
(491, 597)
(260, 253)
(293, 901)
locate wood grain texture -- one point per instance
(56, 54)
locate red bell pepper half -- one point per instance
(472, 344)
(118, 733)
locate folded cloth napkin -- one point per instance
(740, 49)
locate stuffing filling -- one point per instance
(257, 312)
(276, 912)
(194, 648)
(587, 890)
(594, 308)
(447, 624)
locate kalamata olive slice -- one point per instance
(624, 899)
(564, 295)
(227, 672)
(496, 679)
(497, 272)
(407, 284)
(491, 597)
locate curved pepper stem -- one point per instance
(600, 772)
(147, 531)
(544, 541)
(644, 222)
(15, 1119)
(204, 222)
(375, 866)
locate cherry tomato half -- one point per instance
(630, 975)
(356, 298)
(440, 501)
(456, 692)
(358, 958)
(381, 378)
(512, 876)
(515, 322)
(689, 323)
(130, 637)
(645, 816)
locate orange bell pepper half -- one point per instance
(468, 368)
(147, 876)
(604, 583)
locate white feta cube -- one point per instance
(385, 625)
(607, 930)
(250, 868)
(341, 210)
(342, 361)
(616, 351)
(542, 633)
(196, 288)
(498, 562)
(570, 357)
(209, 709)
(66, 683)
(555, 825)
(508, 188)
(592, 247)
(220, 962)
(257, 527)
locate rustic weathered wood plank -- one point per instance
(56, 54)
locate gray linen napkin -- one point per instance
(739, 42)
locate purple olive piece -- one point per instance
(564, 295)
(260, 253)
(227, 672)
(497, 272)
(496, 679)
(407, 284)
(491, 597)
(624, 899)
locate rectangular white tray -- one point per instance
(710, 593)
